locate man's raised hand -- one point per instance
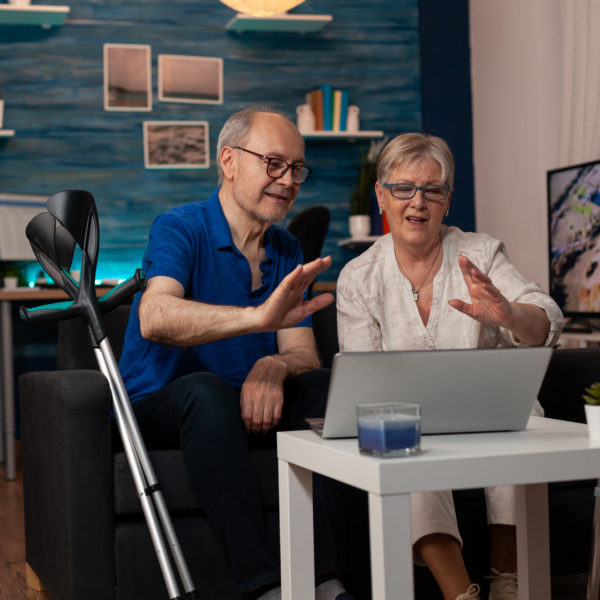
(285, 307)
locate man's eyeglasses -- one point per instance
(406, 191)
(277, 167)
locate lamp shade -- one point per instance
(261, 8)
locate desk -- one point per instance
(549, 450)
(581, 340)
(21, 295)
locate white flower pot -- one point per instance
(360, 226)
(592, 416)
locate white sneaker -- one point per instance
(503, 586)
(471, 594)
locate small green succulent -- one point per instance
(592, 394)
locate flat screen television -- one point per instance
(574, 239)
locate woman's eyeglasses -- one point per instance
(406, 191)
(277, 167)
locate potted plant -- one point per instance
(11, 275)
(361, 199)
(592, 409)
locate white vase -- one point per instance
(592, 416)
(306, 118)
(360, 225)
(352, 120)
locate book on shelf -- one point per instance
(316, 103)
(385, 226)
(327, 91)
(343, 110)
(330, 108)
(337, 108)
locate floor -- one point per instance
(12, 551)
(12, 542)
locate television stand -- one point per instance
(580, 332)
(581, 325)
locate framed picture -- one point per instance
(196, 79)
(127, 77)
(176, 145)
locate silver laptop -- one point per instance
(459, 390)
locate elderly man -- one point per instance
(219, 347)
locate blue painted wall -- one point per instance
(446, 94)
(52, 84)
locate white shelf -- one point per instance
(4, 133)
(279, 23)
(354, 243)
(33, 14)
(341, 135)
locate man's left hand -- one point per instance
(488, 306)
(261, 397)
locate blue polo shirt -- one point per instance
(193, 244)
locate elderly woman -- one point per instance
(429, 286)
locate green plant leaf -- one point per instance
(592, 393)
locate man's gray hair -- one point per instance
(236, 129)
(414, 148)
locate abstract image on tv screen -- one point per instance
(574, 238)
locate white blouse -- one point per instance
(376, 309)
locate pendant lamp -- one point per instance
(262, 8)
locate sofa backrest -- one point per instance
(325, 329)
(570, 371)
(75, 350)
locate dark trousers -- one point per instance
(200, 413)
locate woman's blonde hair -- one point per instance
(413, 148)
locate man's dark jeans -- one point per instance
(200, 413)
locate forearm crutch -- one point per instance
(70, 223)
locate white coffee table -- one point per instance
(549, 450)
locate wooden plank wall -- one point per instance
(52, 84)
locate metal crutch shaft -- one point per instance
(140, 484)
(144, 460)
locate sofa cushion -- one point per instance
(138, 573)
(170, 472)
(74, 349)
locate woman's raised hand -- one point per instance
(488, 305)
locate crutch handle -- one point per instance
(58, 311)
(123, 291)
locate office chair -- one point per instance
(310, 227)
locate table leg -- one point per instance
(533, 542)
(8, 393)
(391, 547)
(296, 527)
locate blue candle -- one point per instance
(390, 434)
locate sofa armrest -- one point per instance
(570, 371)
(67, 482)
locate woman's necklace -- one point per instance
(416, 290)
